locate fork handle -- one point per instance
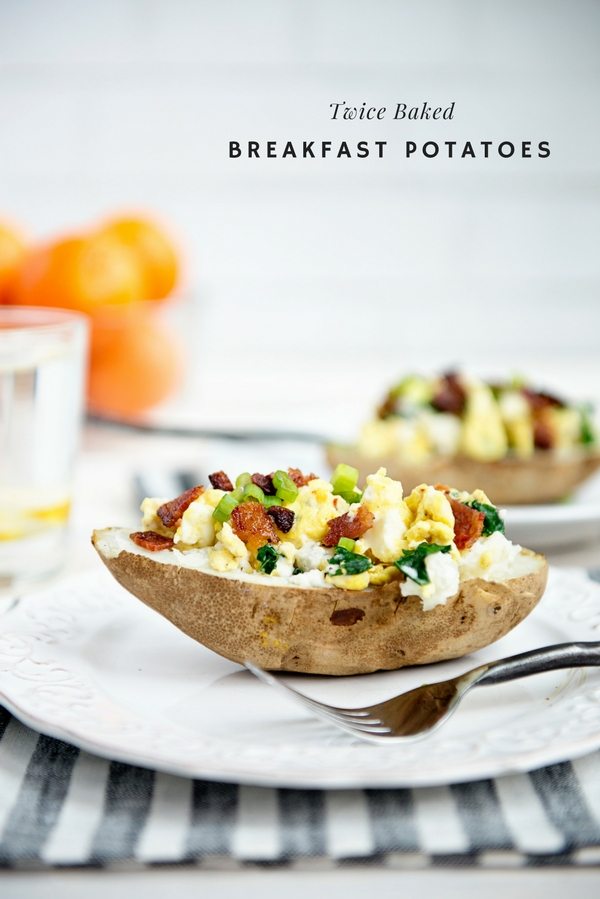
(548, 658)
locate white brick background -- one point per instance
(333, 269)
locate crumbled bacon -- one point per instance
(265, 482)
(170, 513)
(220, 481)
(539, 399)
(388, 406)
(543, 437)
(451, 396)
(253, 526)
(299, 478)
(348, 525)
(468, 524)
(283, 518)
(151, 540)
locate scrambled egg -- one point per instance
(442, 431)
(432, 517)
(349, 581)
(516, 415)
(483, 434)
(383, 574)
(566, 426)
(229, 552)
(383, 497)
(385, 437)
(197, 527)
(314, 506)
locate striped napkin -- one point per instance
(61, 806)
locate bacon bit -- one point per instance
(539, 400)
(265, 482)
(253, 526)
(468, 524)
(353, 526)
(450, 397)
(170, 513)
(443, 488)
(543, 438)
(220, 481)
(388, 406)
(283, 518)
(151, 540)
(300, 479)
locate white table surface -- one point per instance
(103, 497)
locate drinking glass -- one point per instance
(42, 375)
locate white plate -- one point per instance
(557, 525)
(87, 663)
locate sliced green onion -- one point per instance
(225, 507)
(344, 479)
(253, 492)
(284, 486)
(237, 493)
(353, 496)
(271, 501)
(242, 479)
(347, 543)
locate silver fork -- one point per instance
(415, 714)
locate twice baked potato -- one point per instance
(519, 445)
(321, 577)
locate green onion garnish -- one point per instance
(253, 492)
(242, 479)
(284, 486)
(269, 501)
(347, 543)
(344, 479)
(225, 507)
(352, 496)
(237, 493)
(267, 558)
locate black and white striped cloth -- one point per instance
(63, 807)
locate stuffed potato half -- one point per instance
(316, 630)
(321, 577)
(520, 445)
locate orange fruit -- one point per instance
(82, 273)
(135, 363)
(154, 248)
(12, 253)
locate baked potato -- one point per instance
(519, 445)
(295, 573)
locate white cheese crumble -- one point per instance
(444, 580)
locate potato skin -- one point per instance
(543, 478)
(325, 631)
